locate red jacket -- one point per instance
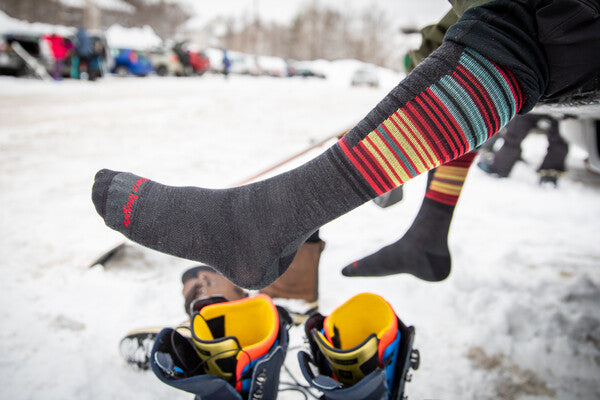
(57, 46)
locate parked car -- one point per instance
(166, 62)
(10, 62)
(365, 77)
(199, 62)
(131, 62)
(304, 70)
(273, 66)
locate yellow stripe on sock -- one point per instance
(452, 177)
(389, 156)
(410, 152)
(421, 143)
(445, 188)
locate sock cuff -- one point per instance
(447, 180)
(444, 207)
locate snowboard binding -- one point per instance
(361, 351)
(229, 356)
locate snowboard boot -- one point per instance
(361, 351)
(298, 288)
(235, 353)
(549, 177)
(202, 285)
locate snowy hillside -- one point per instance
(518, 318)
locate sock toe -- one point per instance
(102, 182)
(351, 270)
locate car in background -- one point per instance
(365, 77)
(10, 62)
(166, 62)
(130, 62)
(304, 70)
(272, 66)
(199, 62)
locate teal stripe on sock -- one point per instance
(464, 126)
(512, 106)
(399, 153)
(490, 84)
(468, 106)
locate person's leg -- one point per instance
(202, 282)
(507, 156)
(490, 67)
(298, 288)
(57, 70)
(301, 280)
(423, 250)
(557, 147)
(75, 67)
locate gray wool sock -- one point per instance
(250, 234)
(422, 251)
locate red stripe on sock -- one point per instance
(349, 154)
(367, 161)
(513, 79)
(442, 197)
(454, 180)
(465, 85)
(450, 140)
(478, 86)
(447, 119)
(408, 131)
(434, 141)
(512, 84)
(464, 161)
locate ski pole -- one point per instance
(385, 200)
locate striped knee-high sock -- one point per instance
(423, 250)
(434, 124)
(450, 104)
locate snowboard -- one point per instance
(36, 67)
(135, 347)
(109, 253)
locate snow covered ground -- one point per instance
(518, 318)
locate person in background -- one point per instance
(501, 162)
(59, 51)
(84, 52)
(97, 61)
(226, 64)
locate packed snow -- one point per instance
(518, 318)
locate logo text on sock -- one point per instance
(130, 200)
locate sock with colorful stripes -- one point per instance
(450, 104)
(423, 250)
